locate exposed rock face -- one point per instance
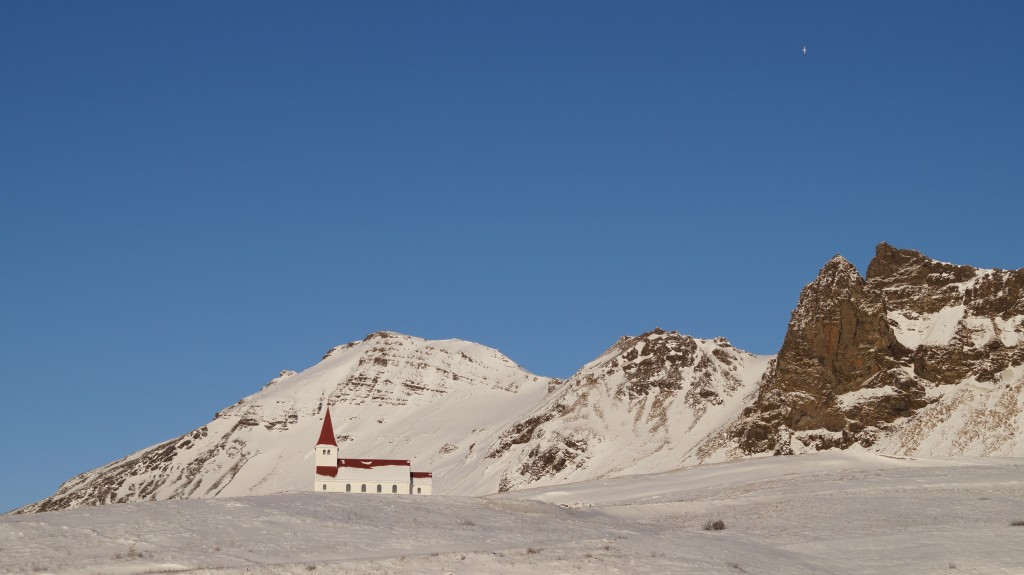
(960, 321)
(862, 359)
(839, 342)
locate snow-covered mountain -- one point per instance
(465, 412)
(439, 403)
(919, 358)
(641, 407)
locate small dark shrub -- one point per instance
(467, 522)
(310, 567)
(714, 525)
(1017, 523)
(533, 551)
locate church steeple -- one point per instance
(327, 448)
(327, 432)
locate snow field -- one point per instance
(827, 513)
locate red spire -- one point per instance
(327, 431)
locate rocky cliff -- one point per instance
(920, 357)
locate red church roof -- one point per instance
(328, 471)
(422, 474)
(327, 431)
(371, 463)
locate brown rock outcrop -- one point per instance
(861, 353)
(984, 341)
(839, 342)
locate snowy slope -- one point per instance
(829, 513)
(975, 418)
(438, 403)
(964, 329)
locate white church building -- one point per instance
(334, 474)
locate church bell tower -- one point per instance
(327, 446)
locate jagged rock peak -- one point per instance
(838, 280)
(918, 284)
(377, 335)
(385, 335)
(839, 342)
(657, 342)
(838, 269)
(659, 346)
(905, 264)
(889, 260)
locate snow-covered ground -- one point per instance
(844, 512)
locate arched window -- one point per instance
(348, 488)
(394, 489)
(325, 487)
(418, 491)
(379, 488)
(363, 488)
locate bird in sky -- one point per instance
(805, 50)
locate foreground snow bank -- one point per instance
(822, 513)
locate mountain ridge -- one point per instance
(916, 357)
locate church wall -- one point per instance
(332, 485)
(326, 455)
(421, 485)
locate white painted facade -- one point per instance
(326, 455)
(422, 485)
(334, 485)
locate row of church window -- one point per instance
(394, 488)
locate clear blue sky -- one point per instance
(195, 196)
